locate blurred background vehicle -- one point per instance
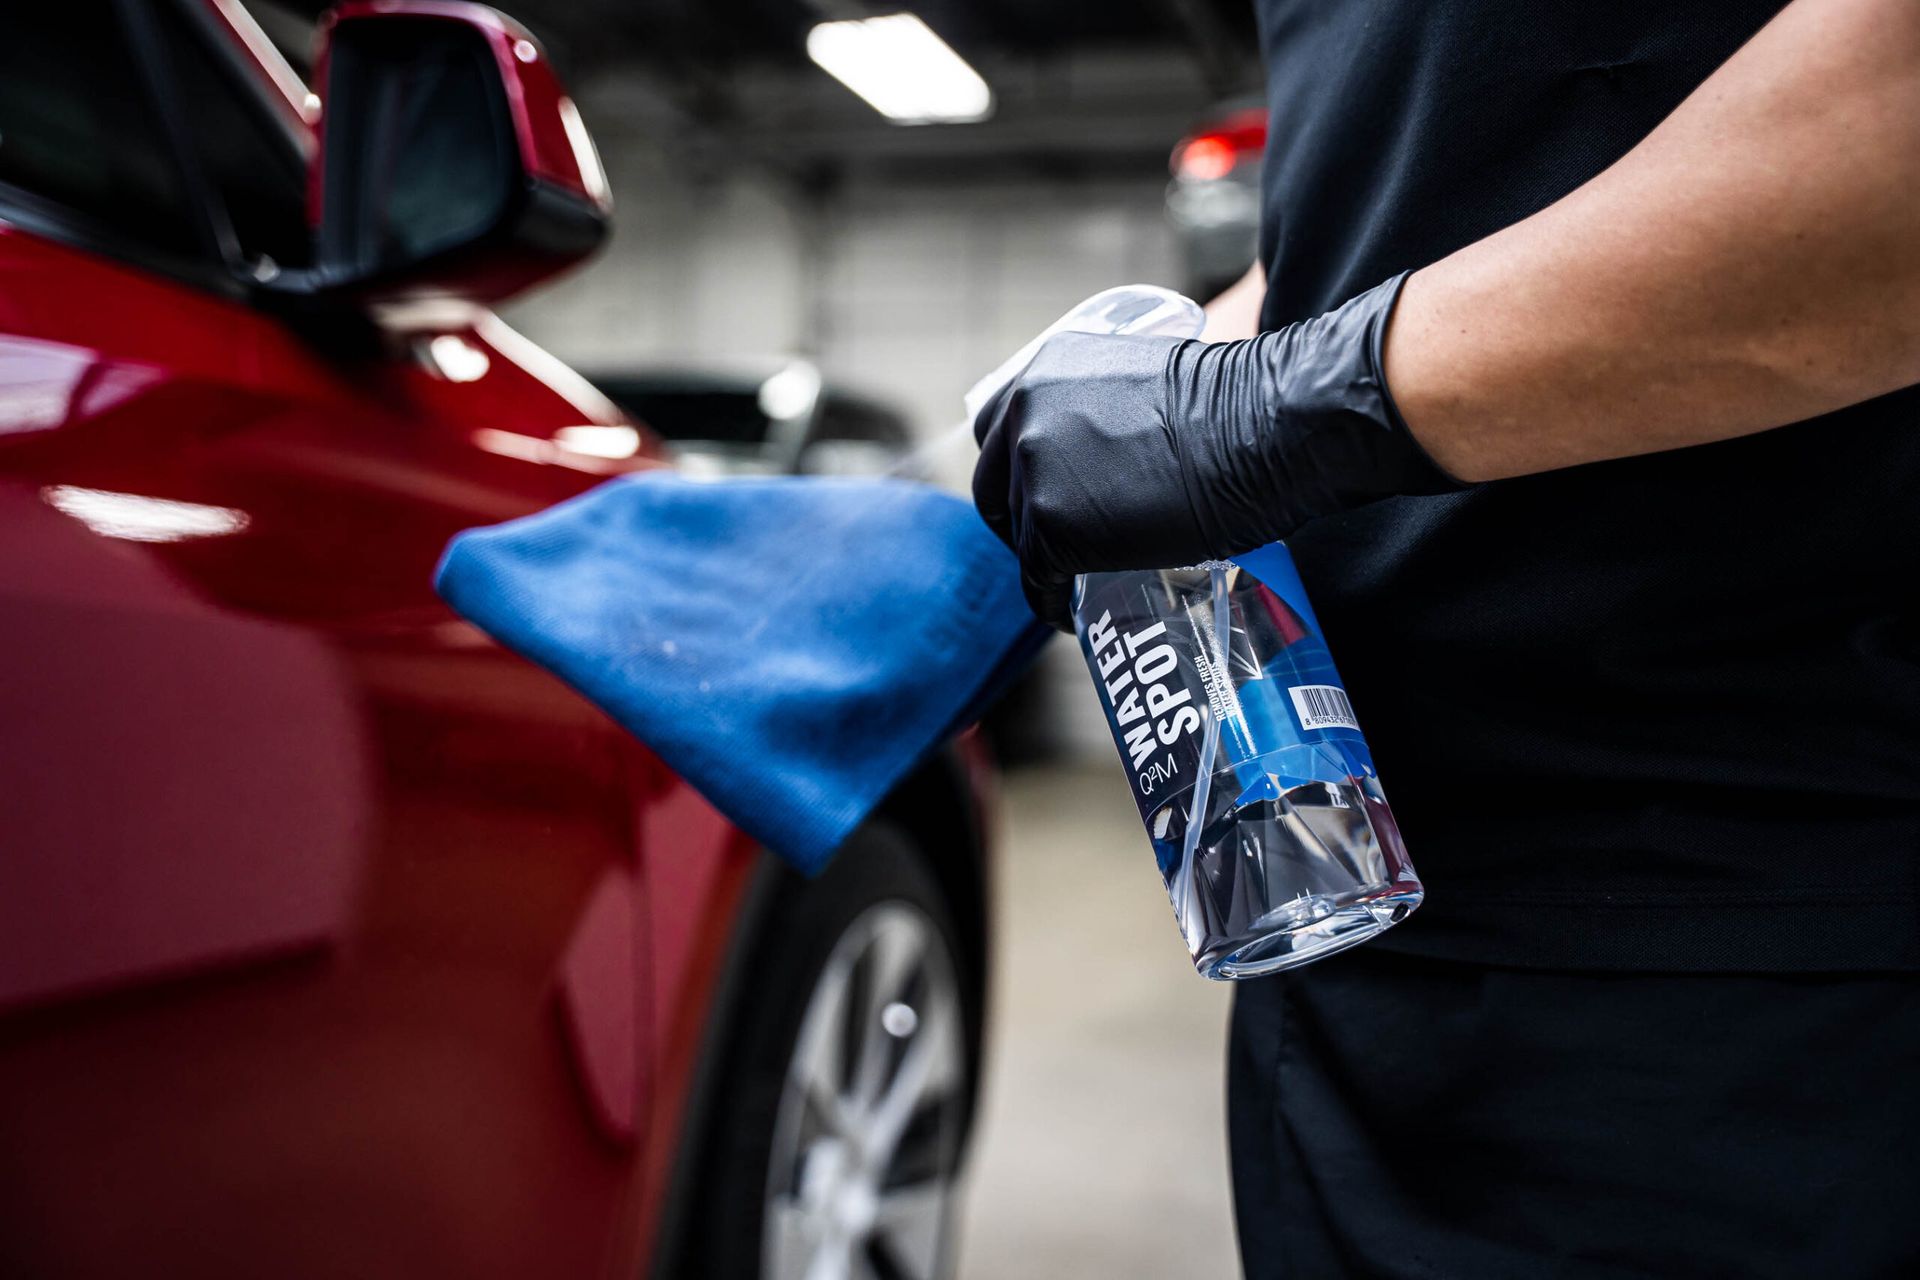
(1213, 200)
(762, 418)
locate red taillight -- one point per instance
(1206, 157)
(1214, 152)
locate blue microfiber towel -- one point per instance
(791, 646)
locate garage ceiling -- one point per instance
(731, 33)
(1081, 85)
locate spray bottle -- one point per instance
(1251, 775)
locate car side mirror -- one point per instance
(451, 164)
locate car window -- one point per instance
(77, 127)
(843, 418)
(249, 159)
(692, 413)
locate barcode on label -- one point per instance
(1323, 706)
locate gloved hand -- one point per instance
(1114, 452)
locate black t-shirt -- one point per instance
(1655, 713)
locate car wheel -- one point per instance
(838, 1130)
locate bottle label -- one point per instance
(1145, 665)
(1149, 641)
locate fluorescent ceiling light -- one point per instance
(906, 72)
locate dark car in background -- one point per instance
(762, 418)
(334, 939)
(1213, 200)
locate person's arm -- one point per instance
(1235, 311)
(1753, 262)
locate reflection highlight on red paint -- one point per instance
(133, 517)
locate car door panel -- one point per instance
(315, 899)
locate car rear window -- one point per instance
(845, 418)
(692, 413)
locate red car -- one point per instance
(334, 940)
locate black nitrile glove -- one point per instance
(1113, 452)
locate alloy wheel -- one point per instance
(861, 1180)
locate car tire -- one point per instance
(835, 1137)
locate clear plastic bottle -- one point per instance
(1250, 772)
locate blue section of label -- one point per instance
(1283, 714)
(1272, 714)
(1273, 565)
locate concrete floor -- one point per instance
(1102, 1151)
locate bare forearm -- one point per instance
(1753, 262)
(1235, 311)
